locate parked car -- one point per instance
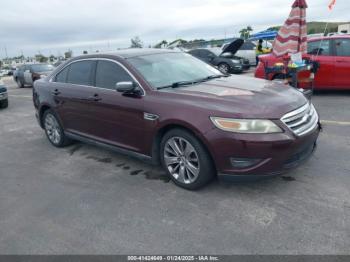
(333, 55)
(4, 72)
(27, 74)
(172, 108)
(224, 60)
(58, 63)
(3, 95)
(248, 50)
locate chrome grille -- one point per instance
(301, 121)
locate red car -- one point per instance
(333, 57)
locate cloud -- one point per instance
(52, 26)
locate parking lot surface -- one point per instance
(87, 200)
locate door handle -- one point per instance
(95, 98)
(56, 92)
(341, 61)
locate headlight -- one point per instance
(236, 61)
(250, 126)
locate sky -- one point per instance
(54, 26)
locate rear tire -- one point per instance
(186, 160)
(4, 103)
(54, 130)
(19, 83)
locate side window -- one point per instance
(205, 53)
(62, 76)
(342, 47)
(80, 73)
(109, 73)
(318, 48)
(194, 52)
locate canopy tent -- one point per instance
(292, 37)
(265, 35)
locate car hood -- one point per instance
(243, 97)
(233, 47)
(45, 73)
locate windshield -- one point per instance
(217, 51)
(42, 68)
(166, 69)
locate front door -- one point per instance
(342, 63)
(118, 118)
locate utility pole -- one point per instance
(6, 52)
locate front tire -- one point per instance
(186, 160)
(54, 130)
(224, 68)
(4, 104)
(19, 83)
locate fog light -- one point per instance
(242, 163)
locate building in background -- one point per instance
(344, 29)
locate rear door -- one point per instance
(342, 63)
(321, 52)
(28, 79)
(73, 95)
(118, 119)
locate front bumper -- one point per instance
(236, 69)
(276, 153)
(3, 96)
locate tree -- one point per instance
(52, 58)
(245, 32)
(41, 58)
(312, 31)
(161, 44)
(136, 42)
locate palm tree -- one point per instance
(245, 32)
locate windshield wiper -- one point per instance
(185, 83)
(180, 83)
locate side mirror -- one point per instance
(125, 87)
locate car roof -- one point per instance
(131, 52)
(317, 38)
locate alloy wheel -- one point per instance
(181, 160)
(223, 68)
(53, 129)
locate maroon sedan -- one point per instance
(173, 109)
